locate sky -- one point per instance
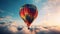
(9, 9)
(48, 11)
(47, 21)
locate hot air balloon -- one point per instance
(28, 13)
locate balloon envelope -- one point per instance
(28, 13)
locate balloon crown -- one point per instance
(29, 6)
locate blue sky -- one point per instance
(11, 8)
(48, 11)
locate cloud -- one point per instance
(5, 18)
(49, 30)
(8, 28)
(49, 14)
(12, 28)
(8, 17)
(1, 18)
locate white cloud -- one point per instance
(53, 13)
(50, 12)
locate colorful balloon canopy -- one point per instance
(28, 13)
